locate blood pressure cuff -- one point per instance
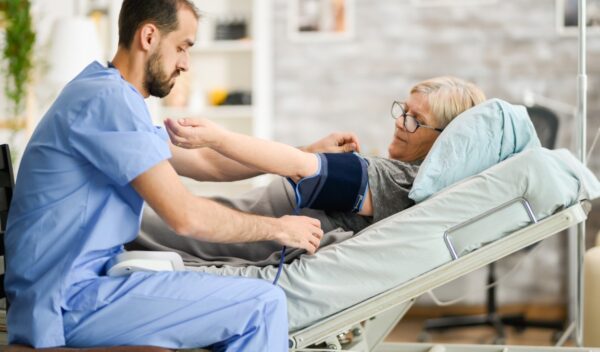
(339, 184)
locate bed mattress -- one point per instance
(411, 243)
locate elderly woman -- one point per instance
(429, 108)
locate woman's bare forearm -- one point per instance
(267, 156)
(254, 153)
(205, 164)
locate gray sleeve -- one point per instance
(389, 183)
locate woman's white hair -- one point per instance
(448, 97)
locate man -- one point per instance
(92, 161)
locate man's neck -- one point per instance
(131, 68)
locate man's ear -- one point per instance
(149, 36)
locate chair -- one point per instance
(546, 124)
(7, 183)
(6, 188)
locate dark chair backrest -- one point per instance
(7, 182)
(545, 122)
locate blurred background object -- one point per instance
(75, 44)
(231, 28)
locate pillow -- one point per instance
(475, 140)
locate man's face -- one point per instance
(171, 56)
(406, 146)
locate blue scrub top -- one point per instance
(73, 207)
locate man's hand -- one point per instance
(299, 232)
(194, 133)
(337, 142)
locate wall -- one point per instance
(505, 48)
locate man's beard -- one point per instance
(156, 81)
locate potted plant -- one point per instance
(17, 54)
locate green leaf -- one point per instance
(18, 50)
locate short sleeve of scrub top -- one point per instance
(114, 133)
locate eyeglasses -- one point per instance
(409, 121)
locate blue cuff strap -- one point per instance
(339, 184)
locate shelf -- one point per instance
(224, 46)
(213, 112)
(12, 124)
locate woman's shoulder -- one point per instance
(387, 163)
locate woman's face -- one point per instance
(409, 147)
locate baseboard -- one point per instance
(531, 311)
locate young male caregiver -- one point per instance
(92, 161)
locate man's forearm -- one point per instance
(225, 225)
(198, 217)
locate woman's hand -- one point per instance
(194, 133)
(337, 142)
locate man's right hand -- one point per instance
(299, 232)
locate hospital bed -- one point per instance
(388, 307)
(349, 296)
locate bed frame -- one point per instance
(364, 326)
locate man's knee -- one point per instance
(274, 298)
(268, 291)
(278, 295)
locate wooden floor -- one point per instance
(410, 328)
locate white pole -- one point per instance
(581, 151)
(262, 76)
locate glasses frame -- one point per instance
(404, 115)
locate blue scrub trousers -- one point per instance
(181, 310)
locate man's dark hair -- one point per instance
(161, 13)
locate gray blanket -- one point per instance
(389, 183)
(275, 199)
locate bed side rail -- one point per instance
(459, 238)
